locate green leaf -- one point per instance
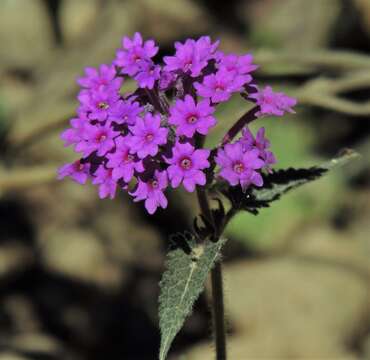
(181, 284)
(278, 183)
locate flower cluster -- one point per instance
(148, 140)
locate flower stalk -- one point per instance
(218, 312)
(217, 297)
(244, 120)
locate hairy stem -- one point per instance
(217, 301)
(155, 101)
(204, 205)
(218, 311)
(248, 117)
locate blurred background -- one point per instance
(79, 275)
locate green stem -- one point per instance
(216, 281)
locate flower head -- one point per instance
(147, 75)
(261, 143)
(99, 138)
(78, 171)
(98, 104)
(190, 117)
(240, 65)
(143, 140)
(147, 136)
(122, 162)
(135, 54)
(152, 191)
(125, 112)
(167, 78)
(107, 185)
(186, 165)
(192, 56)
(239, 166)
(220, 86)
(104, 76)
(273, 103)
(74, 134)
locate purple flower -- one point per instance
(107, 185)
(147, 136)
(147, 75)
(238, 166)
(125, 112)
(98, 138)
(260, 143)
(98, 104)
(152, 192)
(192, 56)
(74, 134)
(240, 65)
(78, 171)
(190, 117)
(205, 48)
(134, 54)
(122, 162)
(186, 165)
(166, 79)
(273, 103)
(97, 78)
(220, 86)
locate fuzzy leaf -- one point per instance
(181, 285)
(278, 183)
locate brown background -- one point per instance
(78, 275)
